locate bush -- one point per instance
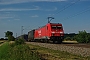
(83, 37)
(19, 41)
(67, 38)
(11, 38)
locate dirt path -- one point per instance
(1, 43)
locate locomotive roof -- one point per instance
(48, 23)
(54, 23)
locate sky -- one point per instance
(74, 15)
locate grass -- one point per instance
(17, 52)
(49, 54)
(4, 51)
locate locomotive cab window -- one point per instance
(59, 27)
(56, 27)
(53, 27)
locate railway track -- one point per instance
(77, 49)
(79, 45)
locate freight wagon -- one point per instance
(25, 37)
(31, 35)
(50, 32)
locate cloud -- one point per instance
(53, 9)
(17, 9)
(8, 10)
(17, 19)
(6, 17)
(85, 0)
(34, 16)
(3, 2)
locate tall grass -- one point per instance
(17, 52)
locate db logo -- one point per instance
(39, 32)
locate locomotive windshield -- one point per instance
(56, 27)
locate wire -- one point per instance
(66, 6)
(79, 13)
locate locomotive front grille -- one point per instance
(57, 38)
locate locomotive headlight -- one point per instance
(53, 32)
(61, 32)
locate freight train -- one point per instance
(25, 37)
(50, 32)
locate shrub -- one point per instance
(67, 38)
(19, 41)
(11, 38)
(83, 37)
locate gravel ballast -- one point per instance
(85, 52)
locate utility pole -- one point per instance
(49, 19)
(16, 35)
(22, 30)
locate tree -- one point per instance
(19, 41)
(10, 36)
(83, 37)
(8, 33)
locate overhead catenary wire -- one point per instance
(23, 29)
(78, 13)
(69, 5)
(66, 6)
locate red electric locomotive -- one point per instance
(50, 32)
